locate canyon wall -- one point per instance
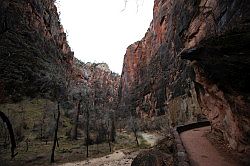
(213, 35)
(38, 68)
(35, 56)
(36, 60)
(96, 80)
(154, 81)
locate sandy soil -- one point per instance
(114, 159)
(118, 158)
(151, 138)
(201, 152)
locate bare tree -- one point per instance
(110, 127)
(4, 135)
(137, 4)
(98, 137)
(75, 134)
(11, 133)
(108, 124)
(87, 130)
(52, 160)
(113, 129)
(27, 144)
(134, 127)
(42, 125)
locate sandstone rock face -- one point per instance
(36, 59)
(154, 80)
(220, 55)
(215, 36)
(35, 56)
(98, 81)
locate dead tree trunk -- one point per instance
(27, 144)
(109, 135)
(113, 130)
(77, 121)
(110, 148)
(57, 142)
(87, 131)
(5, 134)
(42, 124)
(136, 138)
(11, 133)
(52, 160)
(41, 130)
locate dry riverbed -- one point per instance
(117, 158)
(120, 157)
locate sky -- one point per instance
(100, 30)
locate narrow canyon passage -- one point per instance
(200, 151)
(112, 83)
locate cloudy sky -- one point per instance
(100, 30)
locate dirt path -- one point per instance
(201, 152)
(117, 158)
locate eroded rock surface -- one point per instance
(35, 56)
(99, 82)
(214, 36)
(155, 81)
(36, 60)
(219, 52)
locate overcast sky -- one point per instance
(99, 31)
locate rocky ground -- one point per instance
(120, 157)
(151, 138)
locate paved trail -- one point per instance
(201, 152)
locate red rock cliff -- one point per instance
(35, 56)
(154, 81)
(214, 36)
(36, 59)
(98, 80)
